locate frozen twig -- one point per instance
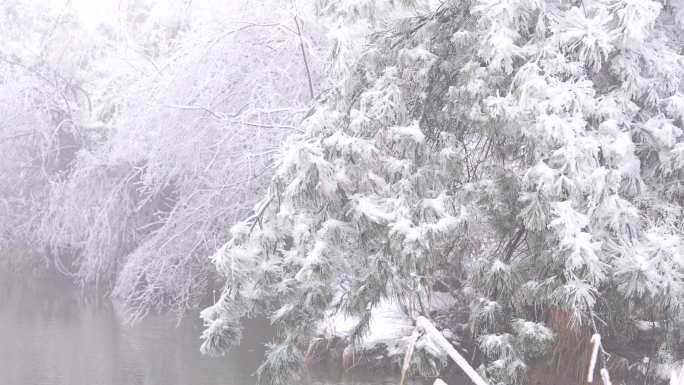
(407, 357)
(605, 376)
(677, 376)
(306, 62)
(596, 340)
(427, 326)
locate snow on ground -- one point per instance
(389, 324)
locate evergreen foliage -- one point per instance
(525, 155)
(527, 151)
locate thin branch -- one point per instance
(195, 108)
(17, 136)
(424, 324)
(306, 62)
(263, 125)
(47, 36)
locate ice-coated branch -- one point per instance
(306, 62)
(677, 377)
(424, 324)
(409, 353)
(605, 377)
(596, 340)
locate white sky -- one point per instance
(95, 12)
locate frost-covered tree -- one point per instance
(61, 85)
(44, 67)
(527, 153)
(187, 104)
(190, 104)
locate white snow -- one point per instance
(372, 209)
(389, 325)
(411, 132)
(662, 132)
(644, 325)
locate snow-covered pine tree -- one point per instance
(529, 152)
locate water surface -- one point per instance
(51, 334)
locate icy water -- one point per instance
(50, 335)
